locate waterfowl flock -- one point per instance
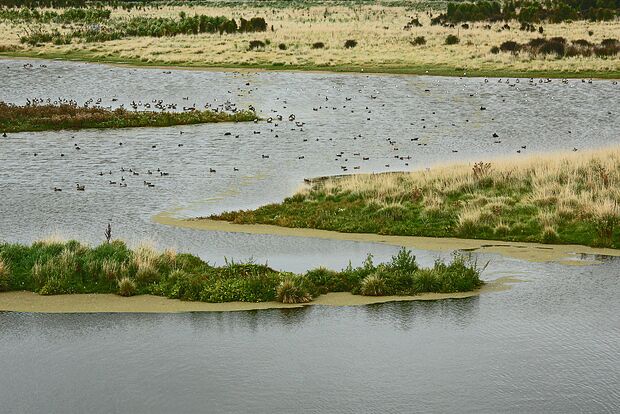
(290, 133)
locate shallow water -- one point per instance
(550, 344)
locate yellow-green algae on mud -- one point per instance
(534, 252)
(109, 303)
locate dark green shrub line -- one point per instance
(145, 27)
(52, 268)
(50, 16)
(528, 11)
(559, 47)
(47, 117)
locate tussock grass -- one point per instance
(562, 197)
(70, 267)
(385, 41)
(15, 118)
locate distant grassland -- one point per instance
(382, 42)
(14, 118)
(56, 267)
(558, 198)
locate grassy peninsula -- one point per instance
(46, 117)
(564, 198)
(54, 267)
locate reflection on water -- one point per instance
(543, 347)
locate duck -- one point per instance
(80, 187)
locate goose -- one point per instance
(57, 189)
(80, 187)
(212, 170)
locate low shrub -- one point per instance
(256, 44)
(349, 44)
(318, 45)
(452, 40)
(510, 46)
(418, 41)
(282, 46)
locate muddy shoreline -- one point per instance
(110, 303)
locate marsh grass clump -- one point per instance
(126, 287)
(318, 45)
(5, 276)
(291, 291)
(372, 285)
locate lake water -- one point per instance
(550, 344)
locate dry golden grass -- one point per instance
(382, 42)
(560, 185)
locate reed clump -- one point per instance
(71, 267)
(45, 117)
(560, 198)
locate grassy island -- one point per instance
(52, 267)
(566, 198)
(46, 117)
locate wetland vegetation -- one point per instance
(49, 116)
(559, 198)
(55, 267)
(441, 38)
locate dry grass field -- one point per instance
(382, 43)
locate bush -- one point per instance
(551, 47)
(318, 45)
(282, 46)
(349, 44)
(256, 44)
(418, 41)
(495, 50)
(126, 287)
(324, 280)
(452, 40)
(510, 46)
